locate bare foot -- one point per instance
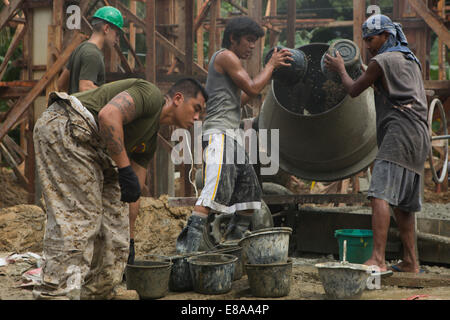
(407, 267)
(373, 262)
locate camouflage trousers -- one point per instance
(86, 238)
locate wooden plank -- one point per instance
(291, 15)
(273, 36)
(441, 46)
(199, 31)
(255, 63)
(159, 37)
(132, 42)
(202, 12)
(9, 11)
(358, 20)
(13, 93)
(212, 27)
(18, 36)
(412, 280)
(150, 65)
(22, 105)
(432, 20)
(133, 52)
(189, 36)
(11, 144)
(238, 6)
(290, 199)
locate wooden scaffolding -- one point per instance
(170, 29)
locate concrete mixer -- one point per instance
(324, 134)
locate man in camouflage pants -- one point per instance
(92, 150)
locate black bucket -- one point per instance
(149, 278)
(350, 54)
(180, 277)
(236, 251)
(212, 273)
(295, 72)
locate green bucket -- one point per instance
(359, 244)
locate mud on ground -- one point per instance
(157, 226)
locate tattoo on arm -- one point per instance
(124, 102)
(114, 144)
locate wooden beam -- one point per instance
(359, 14)
(199, 31)
(212, 29)
(133, 52)
(255, 63)
(189, 36)
(177, 52)
(150, 58)
(237, 6)
(289, 199)
(432, 20)
(9, 11)
(413, 280)
(202, 13)
(441, 46)
(132, 42)
(291, 15)
(273, 36)
(22, 105)
(18, 36)
(159, 37)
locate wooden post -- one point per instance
(200, 53)
(359, 10)
(291, 17)
(131, 61)
(254, 64)
(189, 34)
(212, 28)
(150, 23)
(273, 36)
(441, 45)
(218, 38)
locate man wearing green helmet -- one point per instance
(85, 69)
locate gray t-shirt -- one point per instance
(223, 109)
(401, 112)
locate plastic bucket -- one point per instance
(236, 251)
(359, 244)
(212, 273)
(180, 276)
(343, 280)
(149, 278)
(270, 280)
(270, 245)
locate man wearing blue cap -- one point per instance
(402, 135)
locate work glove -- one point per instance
(130, 190)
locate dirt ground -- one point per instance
(22, 230)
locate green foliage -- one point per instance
(434, 62)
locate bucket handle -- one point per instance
(344, 258)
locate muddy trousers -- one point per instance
(87, 231)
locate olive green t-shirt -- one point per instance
(86, 63)
(141, 134)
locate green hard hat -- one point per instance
(110, 15)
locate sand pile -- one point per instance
(158, 226)
(11, 193)
(22, 228)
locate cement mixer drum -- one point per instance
(324, 134)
